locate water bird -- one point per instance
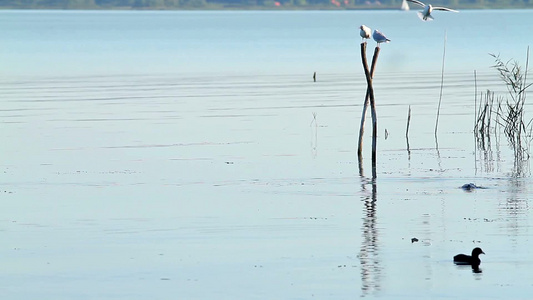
(364, 32)
(468, 186)
(379, 37)
(425, 14)
(471, 186)
(473, 260)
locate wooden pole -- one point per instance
(374, 115)
(365, 105)
(369, 98)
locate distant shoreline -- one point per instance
(255, 8)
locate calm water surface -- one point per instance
(150, 155)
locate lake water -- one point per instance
(190, 155)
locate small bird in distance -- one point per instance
(425, 14)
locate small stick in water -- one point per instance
(441, 86)
(407, 129)
(408, 122)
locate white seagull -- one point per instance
(379, 37)
(365, 32)
(425, 14)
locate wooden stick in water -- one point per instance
(441, 86)
(407, 129)
(365, 105)
(408, 122)
(369, 98)
(374, 114)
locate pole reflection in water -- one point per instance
(314, 138)
(369, 253)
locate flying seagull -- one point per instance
(425, 14)
(365, 32)
(380, 37)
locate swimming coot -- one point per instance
(463, 259)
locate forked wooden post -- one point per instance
(369, 97)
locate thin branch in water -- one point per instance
(475, 95)
(408, 122)
(525, 75)
(407, 128)
(441, 85)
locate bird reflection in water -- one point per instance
(369, 253)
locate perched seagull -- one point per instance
(425, 14)
(379, 37)
(365, 32)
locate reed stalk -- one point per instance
(441, 86)
(407, 128)
(506, 113)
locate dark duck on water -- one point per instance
(473, 260)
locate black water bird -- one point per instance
(471, 186)
(468, 186)
(473, 260)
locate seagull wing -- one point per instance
(417, 2)
(444, 8)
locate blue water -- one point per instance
(125, 42)
(190, 155)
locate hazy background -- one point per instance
(253, 4)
